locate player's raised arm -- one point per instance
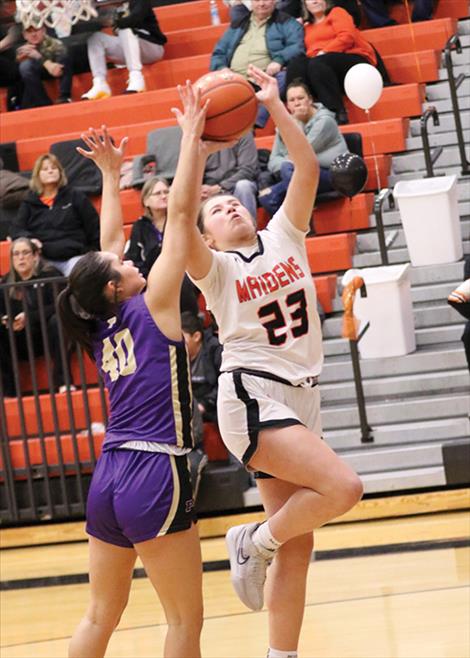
(108, 158)
(302, 190)
(166, 275)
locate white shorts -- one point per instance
(247, 403)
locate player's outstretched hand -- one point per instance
(192, 119)
(269, 91)
(103, 152)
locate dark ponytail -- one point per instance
(83, 302)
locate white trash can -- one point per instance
(388, 309)
(430, 217)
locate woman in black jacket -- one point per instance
(146, 239)
(61, 220)
(20, 306)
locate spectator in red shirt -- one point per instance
(333, 45)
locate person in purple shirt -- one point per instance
(140, 501)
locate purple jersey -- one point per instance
(147, 377)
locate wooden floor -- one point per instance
(399, 603)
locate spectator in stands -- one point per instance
(238, 8)
(13, 190)
(377, 12)
(9, 72)
(138, 41)
(60, 219)
(265, 37)
(145, 244)
(460, 300)
(205, 355)
(20, 305)
(333, 45)
(234, 171)
(321, 130)
(42, 57)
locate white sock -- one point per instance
(263, 539)
(275, 653)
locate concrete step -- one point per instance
(410, 409)
(421, 361)
(426, 316)
(400, 433)
(445, 139)
(445, 106)
(438, 170)
(424, 338)
(391, 218)
(427, 274)
(371, 259)
(439, 91)
(446, 124)
(413, 161)
(368, 241)
(373, 459)
(401, 480)
(424, 383)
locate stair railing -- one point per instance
(454, 83)
(430, 157)
(350, 332)
(384, 194)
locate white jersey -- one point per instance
(264, 301)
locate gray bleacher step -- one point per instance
(420, 361)
(413, 161)
(368, 241)
(436, 273)
(446, 124)
(400, 433)
(416, 478)
(424, 337)
(372, 459)
(438, 91)
(409, 409)
(413, 478)
(395, 256)
(426, 383)
(445, 105)
(427, 316)
(437, 139)
(463, 26)
(454, 170)
(391, 218)
(460, 66)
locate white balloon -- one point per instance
(363, 85)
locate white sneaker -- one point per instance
(100, 89)
(136, 82)
(247, 565)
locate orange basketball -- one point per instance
(233, 107)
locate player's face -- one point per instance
(227, 223)
(131, 282)
(299, 104)
(49, 174)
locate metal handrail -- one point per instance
(429, 157)
(384, 194)
(454, 44)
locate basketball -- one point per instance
(233, 105)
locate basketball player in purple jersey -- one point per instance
(140, 501)
(260, 290)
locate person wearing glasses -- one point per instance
(20, 305)
(145, 244)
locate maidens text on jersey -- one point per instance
(281, 275)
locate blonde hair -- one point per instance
(35, 184)
(147, 190)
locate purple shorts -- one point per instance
(135, 496)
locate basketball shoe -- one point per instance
(136, 83)
(248, 565)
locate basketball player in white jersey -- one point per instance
(261, 292)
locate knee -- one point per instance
(189, 626)
(349, 492)
(28, 69)
(105, 615)
(244, 186)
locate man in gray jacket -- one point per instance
(234, 171)
(321, 130)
